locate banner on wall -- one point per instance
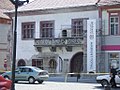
(91, 45)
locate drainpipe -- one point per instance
(100, 29)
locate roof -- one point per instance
(61, 4)
(109, 2)
(55, 4)
(5, 5)
(2, 15)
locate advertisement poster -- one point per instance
(91, 46)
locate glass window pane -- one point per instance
(116, 29)
(116, 19)
(114, 55)
(112, 20)
(112, 29)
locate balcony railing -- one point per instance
(69, 41)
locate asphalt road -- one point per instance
(49, 85)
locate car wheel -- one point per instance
(104, 83)
(6, 77)
(31, 80)
(40, 81)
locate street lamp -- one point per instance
(16, 3)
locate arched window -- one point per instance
(53, 64)
(21, 62)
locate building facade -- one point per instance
(53, 35)
(5, 26)
(110, 47)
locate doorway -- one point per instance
(76, 64)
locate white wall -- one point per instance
(25, 48)
(3, 44)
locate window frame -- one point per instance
(31, 31)
(38, 63)
(113, 57)
(114, 32)
(77, 33)
(47, 33)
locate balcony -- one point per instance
(53, 43)
(58, 42)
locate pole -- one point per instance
(14, 47)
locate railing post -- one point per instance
(66, 75)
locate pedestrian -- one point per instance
(113, 72)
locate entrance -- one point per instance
(76, 64)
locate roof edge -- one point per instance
(43, 11)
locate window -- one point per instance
(64, 33)
(37, 63)
(114, 55)
(23, 70)
(114, 25)
(114, 59)
(53, 64)
(47, 29)
(30, 70)
(28, 30)
(77, 27)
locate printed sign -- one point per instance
(91, 46)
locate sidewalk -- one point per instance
(71, 79)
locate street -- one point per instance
(57, 86)
(49, 85)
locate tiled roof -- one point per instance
(109, 2)
(5, 5)
(54, 4)
(2, 15)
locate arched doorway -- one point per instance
(21, 62)
(76, 64)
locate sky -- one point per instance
(31, 0)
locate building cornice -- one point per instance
(54, 11)
(109, 6)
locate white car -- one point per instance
(105, 79)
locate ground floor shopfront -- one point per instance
(74, 58)
(112, 58)
(56, 62)
(77, 62)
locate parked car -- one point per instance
(105, 79)
(28, 73)
(5, 84)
